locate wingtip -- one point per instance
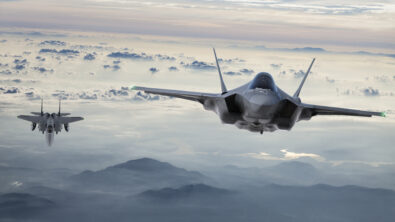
(383, 114)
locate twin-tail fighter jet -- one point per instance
(259, 105)
(50, 123)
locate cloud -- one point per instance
(382, 78)
(6, 72)
(143, 96)
(89, 57)
(20, 64)
(287, 155)
(370, 92)
(231, 73)
(42, 69)
(297, 74)
(11, 81)
(199, 65)
(41, 59)
(173, 68)
(3, 40)
(19, 61)
(115, 67)
(112, 94)
(292, 155)
(165, 57)
(53, 42)
(91, 47)
(246, 71)
(12, 90)
(329, 80)
(30, 95)
(276, 66)
(60, 52)
(153, 70)
(372, 54)
(127, 55)
(16, 184)
(19, 67)
(308, 49)
(48, 51)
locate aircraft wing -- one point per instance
(33, 119)
(194, 96)
(65, 120)
(327, 110)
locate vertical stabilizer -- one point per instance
(296, 95)
(42, 110)
(223, 87)
(59, 108)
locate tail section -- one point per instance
(223, 87)
(296, 95)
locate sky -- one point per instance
(338, 24)
(89, 53)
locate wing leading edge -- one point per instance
(327, 110)
(193, 96)
(65, 120)
(33, 119)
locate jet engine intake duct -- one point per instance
(286, 117)
(231, 104)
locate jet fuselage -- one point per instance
(256, 106)
(50, 124)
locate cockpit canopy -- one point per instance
(263, 80)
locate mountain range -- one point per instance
(150, 190)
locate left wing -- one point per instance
(65, 120)
(194, 96)
(33, 119)
(327, 110)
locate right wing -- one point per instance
(194, 96)
(33, 119)
(327, 110)
(66, 120)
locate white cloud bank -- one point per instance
(287, 155)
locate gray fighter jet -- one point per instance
(50, 123)
(259, 105)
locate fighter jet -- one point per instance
(50, 123)
(259, 105)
